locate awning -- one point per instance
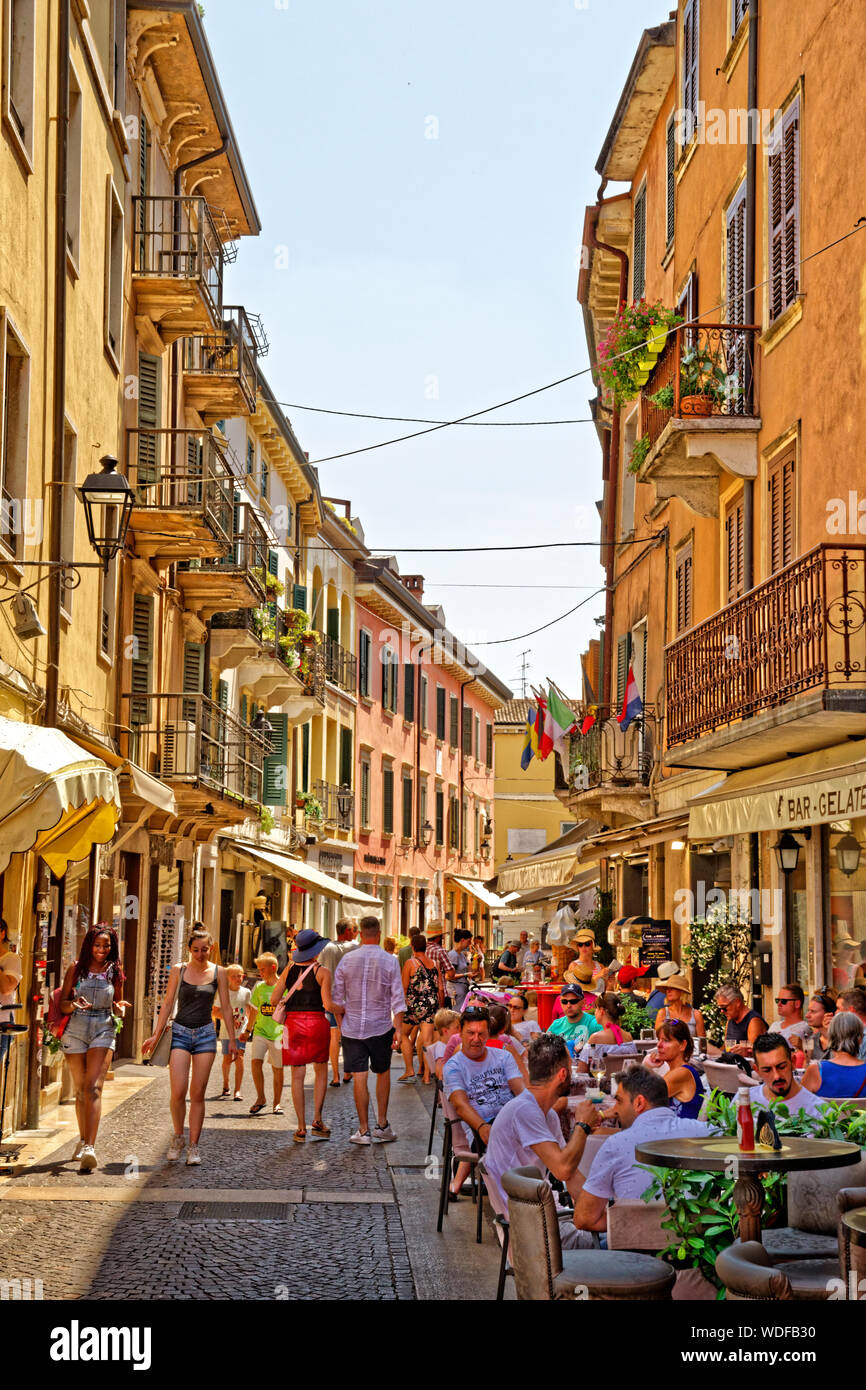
(149, 789)
(581, 884)
(480, 891)
(814, 789)
(550, 867)
(53, 799)
(296, 871)
(639, 836)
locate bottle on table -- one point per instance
(745, 1122)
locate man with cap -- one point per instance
(575, 1025)
(657, 998)
(626, 977)
(507, 968)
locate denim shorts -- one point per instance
(193, 1040)
(85, 1030)
(224, 1046)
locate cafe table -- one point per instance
(546, 995)
(721, 1154)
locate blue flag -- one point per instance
(530, 746)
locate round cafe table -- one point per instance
(720, 1154)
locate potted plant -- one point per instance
(311, 806)
(628, 350)
(703, 381)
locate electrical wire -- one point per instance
(424, 420)
(501, 641)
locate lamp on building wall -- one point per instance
(485, 848)
(101, 493)
(848, 854)
(787, 853)
(426, 833)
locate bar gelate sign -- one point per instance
(834, 796)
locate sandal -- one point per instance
(320, 1129)
(224, 1095)
(278, 1110)
(299, 1136)
(333, 1083)
(259, 1105)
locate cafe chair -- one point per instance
(456, 1150)
(543, 1271)
(812, 1235)
(850, 1199)
(437, 1089)
(613, 1065)
(637, 1226)
(502, 1230)
(728, 1079)
(747, 1272)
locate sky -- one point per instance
(421, 172)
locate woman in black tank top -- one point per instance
(305, 990)
(196, 987)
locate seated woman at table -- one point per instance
(522, 1027)
(678, 1007)
(842, 1075)
(684, 1082)
(610, 1038)
(500, 1034)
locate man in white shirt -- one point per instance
(791, 1024)
(642, 1109)
(366, 992)
(522, 948)
(771, 1058)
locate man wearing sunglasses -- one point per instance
(574, 1025)
(479, 1080)
(791, 1024)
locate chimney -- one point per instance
(415, 584)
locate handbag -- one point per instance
(161, 1053)
(279, 1014)
(55, 1021)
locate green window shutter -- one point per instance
(365, 791)
(440, 712)
(245, 701)
(149, 417)
(223, 695)
(347, 749)
(299, 596)
(455, 722)
(275, 770)
(489, 759)
(333, 628)
(409, 692)
(193, 677)
(467, 733)
(273, 563)
(364, 644)
(388, 800)
(422, 703)
(440, 816)
(305, 758)
(142, 631)
(407, 807)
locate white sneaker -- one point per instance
(360, 1138)
(383, 1134)
(79, 1150)
(88, 1159)
(193, 1157)
(175, 1148)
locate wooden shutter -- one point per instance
(407, 807)
(305, 758)
(783, 195)
(245, 709)
(347, 748)
(639, 248)
(422, 702)
(142, 632)
(670, 180)
(736, 257)
(409, 692)
(388, 800)
(273, 563)
(333, 624)
(276, 762)
(691, 53)
(683, 588)
(364, 663)
(149, 417)
(623, 653)
(454, 735)
(735, 556)
(299, 597)
(365, 791)
(489, 759)
(467, 733)
(146, 254)
(440, 712)
(440, 816)
(781, 511)
(193, 677)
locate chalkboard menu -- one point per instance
(655, 943)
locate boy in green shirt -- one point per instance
(267, 1036)
(575, 1025)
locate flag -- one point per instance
(559, 720)
(538, 731)
(529, 750)
(632, 705)
(591, 703)
(589, 719)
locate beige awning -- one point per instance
(536, 896)
(639, 836)
(814, 789)
(149, 789)
(297, 871)
(479, 890)
(54, 799)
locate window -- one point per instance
(735, 566)
(275, 777)
(691, 53)
(149, 418)
(14, 429)
(440, 817)
(365, 643)
(489, 757)
(783, 191)
(305, 758)
(387, 799)
(251, 457)
(142, 658)
(407, 806)
(440, 713)
(107, 609)
(736, 257)
(193, 679)
(464, 827)
(347, 756)
(409, 692)
(422, 703)
(781, 510)
(639, 249)
(264, 478)
(67, 512)
(670, 179)
(389, 680)
(477, 741)
(467, 733)
(683, 588)
(687, 306)
(453, 820)
(454, 734)
(114, 274)
(623, 656)
(19, 72)
(365, 790)
(73, 172)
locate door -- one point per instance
(227, 919)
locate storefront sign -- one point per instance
(655, 945)
(375, 859)
(330, 863)
(818, 796)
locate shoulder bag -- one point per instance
(279, 1014)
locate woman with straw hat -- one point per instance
(678, 1007)
(586, 970)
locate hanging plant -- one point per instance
(722, 943)
(639, 454)
(627, 351)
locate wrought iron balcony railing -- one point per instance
(221, 368)
(188, 738)
(248, 555)
(175, 239)
(341, 667)
(181, 471)
(605, 756)
(338, 804)
(702, 370)
(802, 629)
(273, 636)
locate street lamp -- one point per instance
(848, 855)
(787, 853)
(426, 834)
(101, 493)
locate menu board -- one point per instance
(655, 941)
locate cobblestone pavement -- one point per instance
(352, 1245)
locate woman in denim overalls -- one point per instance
(90, 1036)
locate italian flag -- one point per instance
(559, 721)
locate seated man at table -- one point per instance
(791, 1024)
(575, 1025)
(743, 1025)
(642, 1109)
(479, 1080)
(527, 1130)
(773, 1063)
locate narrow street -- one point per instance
(262, 1218)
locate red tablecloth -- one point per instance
(547, 995)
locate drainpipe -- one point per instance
(751, 216)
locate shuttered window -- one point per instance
(389, 681)
(365, 790)
(683, 588)
(691, 53)
(736, 257)
(387, 800)
(440, 816)
(454, 732)
(145, 252)
(422, 702)
(440, 712)
(149, 417)
(623, 654)
(407, 806)
(781, 511)
(333, 624)
(489, 758)
(467, 733)
(639, 249)
(142, 657)
(347, 750)
(670, 179)
(305, 758)
(687, 306)
(299, 597)
(276, 774)
(193, 677)
(409, 692)
(739, 10)
(453, 822)
(784, 212)
(251, 457)
(364, 647)
(735, 555)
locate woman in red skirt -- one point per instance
(305, 989)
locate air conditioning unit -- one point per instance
(179, 750)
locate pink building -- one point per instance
(424, 744)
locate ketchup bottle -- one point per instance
(745, 1121)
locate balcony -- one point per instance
(177, 266)
(220, 374)
(280, 672)
(233, 580)
(781, 670)
(707, 423)
(341, 667)
(197, 749)
(184, 495)
(338, 804)
(609, 771)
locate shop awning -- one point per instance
(639, 836)
(148, 788)
(54, 799)
(296, 871)
(814, 789)
(479, 890)
(549, 868)
(536, 896)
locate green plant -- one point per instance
(312, 806)
(664, 399)
(721, 942)
(639, 454)
(269, 582)
(702, 373)
(635, 1017)
(622, 345)
(266, 820)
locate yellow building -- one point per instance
(529, 815)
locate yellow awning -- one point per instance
(53, 800)
(814, 789)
